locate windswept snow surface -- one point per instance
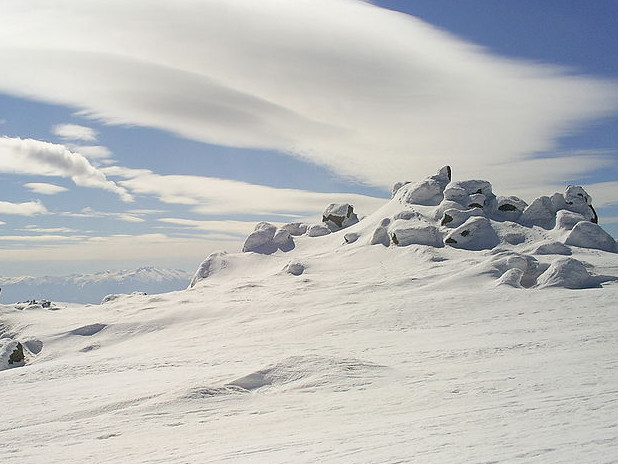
(369, 353)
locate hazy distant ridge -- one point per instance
(91, 288)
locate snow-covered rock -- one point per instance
(317, 230)
(338, 216)
(429, 191)
(295, 228)
(404, 233)
(567, 273)
(214, 263)
(590, 235)
(566, 220)
(552, 248)
(267, 239)
(475, 234)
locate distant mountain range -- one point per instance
(92, 288)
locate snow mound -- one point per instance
(474, 234)
(214, 263)
(311, 372)
(429, 191)
(552, 248)
(590, 235)
(567, 273)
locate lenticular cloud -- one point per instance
(368, 92)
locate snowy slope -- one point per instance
(334, 352)
(91, 288)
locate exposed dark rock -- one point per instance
(17, 355)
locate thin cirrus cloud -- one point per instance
(75, 132)
(34, 157)
(44, 188)
(213, 196)
(367, 92)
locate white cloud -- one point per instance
(91, 213)
(48, 230)
(39, 238)
(368, 92)
(95, 153)
(159, 249)
(75, 132)
(2, 223)
(223, 228)
(34, 157)
(603, 194)
(213, 196)
(29, 208)
(45, 189)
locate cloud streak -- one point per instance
(34, 157)
(44, 188)
(367, 92)
(213, 196)
(75, 132)
(29, 208)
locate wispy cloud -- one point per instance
(44, 188)
(94, 153)
(29, 208)
(47, 230)
(75, 132)
(34, 157)
(120, 216)
(213, 196)
(240, 228)
(155, 248)
(368, 92)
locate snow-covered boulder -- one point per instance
(404, 233)
(351, 237)
(509, 208)
(539, 213)
(267, 238)
(566, 220)
(511, 278)
(296, 228)
(294, 268)
(516, 270)
(470, 193)
(338, 216)
(380, 237)
(475, 234)
(590, 235)
(579, 201)
(215, 262)
(567, 273)
(552, 248)
(317, 230)
(542, 211)
(428, 192)
(454, 217)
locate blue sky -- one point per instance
(138, 134)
